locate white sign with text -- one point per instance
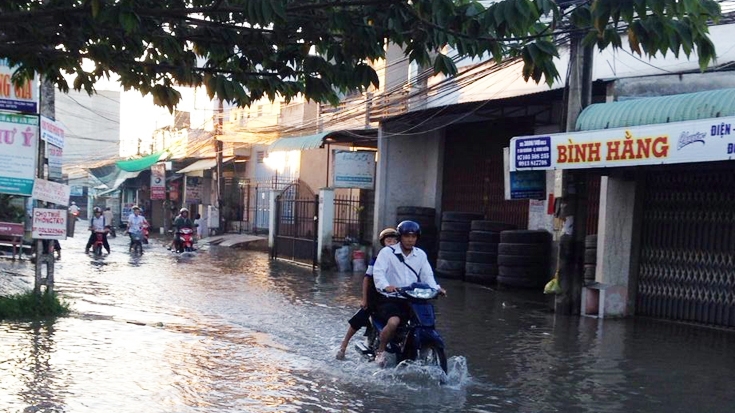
(48, 191)
(49, 223)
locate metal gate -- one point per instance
(687, 260)
(296, 227)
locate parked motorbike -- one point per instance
(416, 339)
(186, 240)
(111, 231)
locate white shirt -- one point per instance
(135, 223)
(389, 270)
(73, 209)
(98, 224)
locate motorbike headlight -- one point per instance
(422, 293)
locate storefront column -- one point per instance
(608, 297)
(326, 224)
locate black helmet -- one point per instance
(409, 227)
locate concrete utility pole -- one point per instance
(218, 148)
(579, 96)
(47, 98)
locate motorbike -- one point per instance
(98, 243)
(145, 234)
(416, 339)
(136, 242)
(111, 231)
(186, 240)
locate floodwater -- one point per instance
(230, 331)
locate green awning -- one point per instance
(299, 143)
(661, 109)
(139, 164)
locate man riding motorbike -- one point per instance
(97, 225)
(136, 223)
(182, 221)
(396, 267)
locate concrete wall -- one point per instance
(409, 173)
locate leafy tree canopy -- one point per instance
(243, 50)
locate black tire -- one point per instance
(492, 226)
(453, 236)
(485, 236)
(431, 354)
(97, 250)
(481, 257)
(482, 247)
(451, 266)
(138, 248)
(523, 249)
(482, 279)
(522, 260)
(590, 256)
(517, 282)
(452, 216)
(416, 211)
(589, 273)
(590, 241)
(451, 255)
(482, 269)
(427, 244)
(424, 222)
(525, 237)
(453, 246)
(538, 272)
(456, 226)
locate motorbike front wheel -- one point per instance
(97, 249)
(432, 355)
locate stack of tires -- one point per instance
(481, 259)
(590, 258)
(523, 258)
(426, 218)
(454, 240)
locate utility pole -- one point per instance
(47, 108)
(218, 148)
(569, 185)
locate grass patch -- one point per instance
(28, 305)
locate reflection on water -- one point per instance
(231, 331)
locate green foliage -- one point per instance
(11, 209)
(31, 306)
(243, 50)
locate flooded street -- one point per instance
(230, 331)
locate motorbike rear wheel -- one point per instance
(432, 355)
(97, 249)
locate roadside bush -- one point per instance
(31, 306)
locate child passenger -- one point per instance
(388, 236)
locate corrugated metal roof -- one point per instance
(661, 109)
(300, 143)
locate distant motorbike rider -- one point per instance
(74, 209)
(399, 266)
(182, 221)
(136, 224)
(97, 225)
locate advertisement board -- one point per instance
(18, 135)
(158, 181)
(354, 169)
(21, 99)
(49, 223)
(55, 157)
(194, 188)
(48, 191)
(52, 132)
(704, 140)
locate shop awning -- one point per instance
(363, 137)
(299, 143)
(203, 165)
(657, 110)
(140, 164)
